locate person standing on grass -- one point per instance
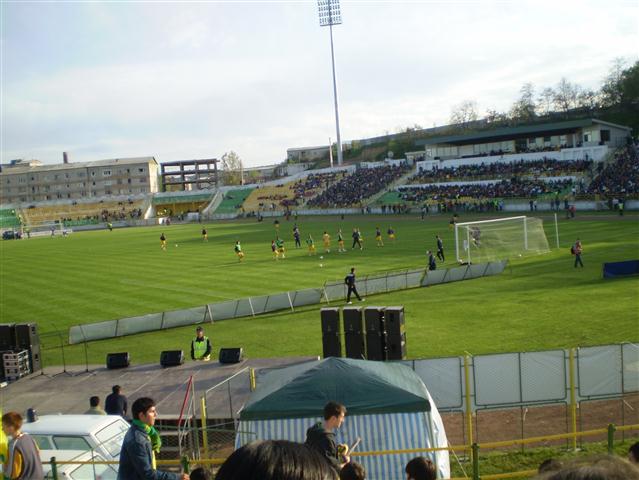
(296, 236)
(432, 265)
(279, 243)
(440, 248)
(340, 241)
(357, 239)
(349, 280)
(163, 241)
(201, 346)
(378, 237)
(238, 251)
(205, 235)
(577, 249)
(311, 245)
(327, 242)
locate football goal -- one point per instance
(499, 239)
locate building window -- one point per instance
(142, 180)
(605, 135)
(66, 175)
(532, 141)
(140, 170)
(93, 174)
(546, 139)
(106, 173)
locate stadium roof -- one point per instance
(510, 132)
(65, 166)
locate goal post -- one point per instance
(499, 239)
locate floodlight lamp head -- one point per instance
(329, 12)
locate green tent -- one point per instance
(388, 407)
(366, 387)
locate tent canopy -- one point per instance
(365, 387)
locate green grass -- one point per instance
(537, 303)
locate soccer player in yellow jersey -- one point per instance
(274, 250)
(340, 241)
(279, 243)
(238, 251)
(311, 245)
(391, 234)
(378, 237)
(162, 241)
(327, 242)
(205, 235)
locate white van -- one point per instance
(75, 471)
(103, 434)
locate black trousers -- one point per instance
(440, 254)
(356, 242)
(578, 260)
(352, 289)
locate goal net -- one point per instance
(499, 239)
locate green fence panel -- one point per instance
(143, 323)
(181, 318)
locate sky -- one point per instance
(184, 80)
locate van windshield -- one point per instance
(112, 436)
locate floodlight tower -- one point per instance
(329, 15)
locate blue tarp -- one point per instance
(620, 269)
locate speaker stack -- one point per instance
(118, 360)
(354, 332)
(375, 333)
(395, 333)
(7, 344)
(27, 338)
(331, 342)
(231, 355)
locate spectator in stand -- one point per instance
(96, 409)
(141, 443)
(620, 177)
(352, 471)
(321, 437)
(24, 457)
(275, 460)
(606, 467)
(116, 403)
(420, 468)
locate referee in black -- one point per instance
(350, 281)
(440, 248)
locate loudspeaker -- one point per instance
(331, 345)
(394, 320)
(2, 374)
(7, 336)
(118, 360)
(375, 347)
(27, 335)
(34, 358)
(172, 358)
(352, 320)
(374, 320)
(330, 321)
(231, 355)
(396, 345)
(355, 345)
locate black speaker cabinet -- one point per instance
(330, 321)
(172, 358)
(394, 320)
(375, 347)
(352, 320)
(118, 360)
(2, 374)
(355, 345)
(27, 335)
(7, 336)
(231, 355)
(35, 359)
(374, 320)
(396, 345)
(331, 345)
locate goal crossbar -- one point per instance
(491, 221)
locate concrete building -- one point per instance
(20, 183)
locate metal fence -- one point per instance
(251, 306)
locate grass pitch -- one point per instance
(537, 303)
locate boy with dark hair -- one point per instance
(141, 443)
(116, 403)
(96, 409)
(420, 468)
(352, 471)
(321, 437)
(349, 280)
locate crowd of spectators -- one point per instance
(619, 178)
(353, 189)
(514, 188)
(307, 186)
(546, 167)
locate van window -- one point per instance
(43, 442)
(112, 436)
(70, 443)
(103, 472)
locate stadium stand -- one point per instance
(9, 218)
(545, 167)
(355, 188)
(75, 213)
(620, 177)
(174, 203)
(233, 200)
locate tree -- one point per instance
(545, 101)
(566, 95)
(464, 113)
(611, 88)
(524, 107)
(493, 116)
(629, 86)
(231, 168)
